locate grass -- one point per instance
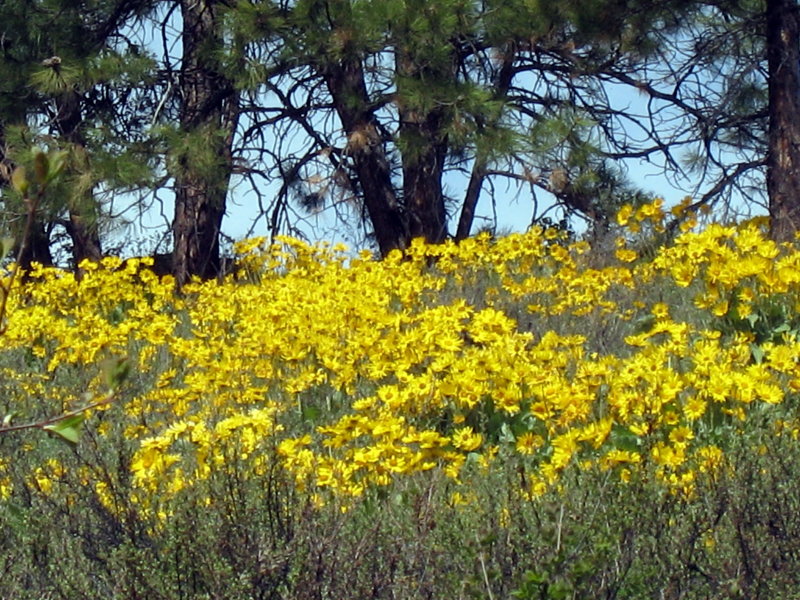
(235, 518)
(737, 537)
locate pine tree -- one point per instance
(783, 155)
(62, 65)
(203, 164)
(369, 107)
(734, 74)
(410, 90)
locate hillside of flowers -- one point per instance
(351, 373)
(536, 355)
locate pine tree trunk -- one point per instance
(209, 105)
(199, 209)
(422, 193)
(82, 224)
(423, 163)
(422, 178)
(345, 81)
(36, 248)
(783, 154)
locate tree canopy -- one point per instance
(400, 118)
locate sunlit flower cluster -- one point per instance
(350, 372)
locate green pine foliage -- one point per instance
(507, 94)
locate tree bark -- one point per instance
(210, 106)
(423, 162)
(422, 179)
(345, 81)
(467, 217)
(36, 248)
(82, 224)
(783, 153)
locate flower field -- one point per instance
(532, 354)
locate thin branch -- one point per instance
(44, 424)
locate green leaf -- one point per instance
(506, 434)
(559, 591)
(758, 353)
(644, 324)
(115, 372)
(624, 439)
(311, 413)
(537, 578)
(19, 180)
(67, 428)
(57, 163)
(6, 245)
(473, 458)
